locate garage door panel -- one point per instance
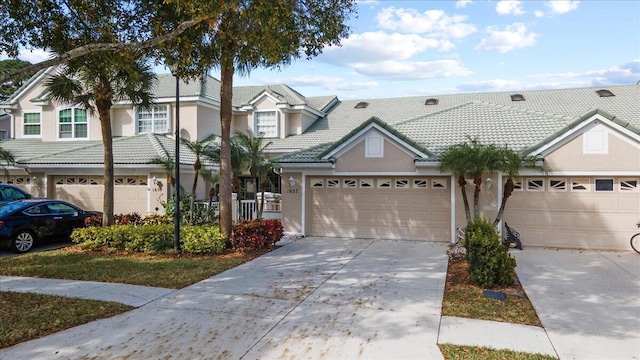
(386, 213)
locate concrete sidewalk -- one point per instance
(131, 295)
(314, 298)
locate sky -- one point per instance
(408, 48)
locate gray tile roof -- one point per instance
(490, 117)
(11, 99)
(129, 150)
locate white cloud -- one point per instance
(538, 13)
(32, 56)
(509, 7)
(325, 82)
(409, 70)
(562, 6)
(433, 22)
(381, 46)
(626, 73)
(462, 3)
(516, 85)
(511, 37)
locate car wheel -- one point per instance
(23, 242)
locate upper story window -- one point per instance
(153, 120)
(31, 125)
(73, 124)
(266, 124)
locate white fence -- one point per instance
(248, 209)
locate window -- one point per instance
(438, 183)
(333, 183)
(361, 105)
(419, 183)
(535, 184)
(604, 184)
(402, 184)
(317, 183)
(517, 97)
(366, 183)
(431, 102)
(557, 184)
(266, 124)
(517, 185)
(73, 124)
(605, 93)
(31, 126)
(629, 185)
(153, 120)
(4, 135)
(384, 183)
(579, 184)
(349, 183)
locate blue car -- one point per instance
(26, 222)
(10, 193)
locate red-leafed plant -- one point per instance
(256, 234)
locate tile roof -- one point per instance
(490, 117)
(129, 150)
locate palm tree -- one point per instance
(482, 159)
(7, 159)
(94, 83)
(265, 168)
(199, 148)
(168, 164)
(253, 149)
(511, 164)
(455, 160)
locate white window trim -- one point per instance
(23, 124)
(613, 185)
(255, 123)
(169, 128)
(73, 122)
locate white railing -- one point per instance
(248, 209)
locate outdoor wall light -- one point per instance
(292, 181)
(155, 180)
(489, 183)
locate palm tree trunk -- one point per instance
(193, 198)
(508, 190)
(476, 196)
(226, 89)
(462, 182)
(104, 111)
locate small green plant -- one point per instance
(202, 240)
(489, 261)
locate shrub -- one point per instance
(489, 261)
(202, 240)
(152, 239)
(256, 234)
(94, 220)
(128, 219)
(155, 219)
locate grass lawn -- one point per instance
(29, 316)
(165, 271)
(457, 352)
(463, 298)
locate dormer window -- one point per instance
(265, 124)
(604, 93)
(517, 97)
(362, 105)
(431, 102)
(153, 120)
(73, 124)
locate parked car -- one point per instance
(25, 222)
(10, 192)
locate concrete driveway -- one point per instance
(588, 301)
(315, 298)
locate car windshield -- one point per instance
(10, 207)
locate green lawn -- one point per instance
(457, 352)
(159, 271)
(29, 316)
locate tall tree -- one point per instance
(455, 160)
(94, 84)
(9, 66)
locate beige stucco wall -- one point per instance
(241, 122)
(208, 122)
(622, 156)
(294, 124)
(292, 203)
(394, 160)
(188, 121)
(122, 121)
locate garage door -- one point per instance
(584, 212)
(130, 192)
(383, 208)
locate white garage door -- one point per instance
(581, 212)
(130, 192)
(383, 208)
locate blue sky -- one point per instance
(405, 48)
